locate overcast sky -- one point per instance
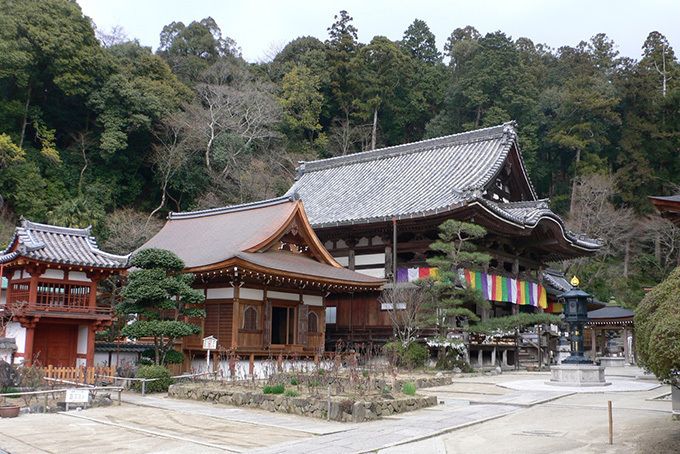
(258, 26)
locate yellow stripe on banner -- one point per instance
(543, 300)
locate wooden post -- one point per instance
(611, 423)
(626, 352)
(593, 340)
(252, 363)
(89, 361)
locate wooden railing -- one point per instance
(78, 374)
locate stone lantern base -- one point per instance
(577, 375)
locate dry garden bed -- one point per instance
(338, 397)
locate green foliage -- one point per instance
(293, 382)
(278, 389)
(416, 355)
(161, 373)
(409, 388)
(153, 289)
(291, 393)
(511, 322)
(9, 152)
(171, 356)
(450, 299)
(657, 326)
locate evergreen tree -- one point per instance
(451, 302)
(160, 296)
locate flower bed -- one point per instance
(365, 408)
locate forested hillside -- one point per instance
(96, 129)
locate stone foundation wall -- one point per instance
(348, 410)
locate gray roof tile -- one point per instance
(50, 243)
(423, 177)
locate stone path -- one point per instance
(475, 414)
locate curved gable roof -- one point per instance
(424, 176)
(54, 244)
(247, 235)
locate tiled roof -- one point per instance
(49, 243)
(407, 179)
(555, 282)
(430, 176)
(210, 237)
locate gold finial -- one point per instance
(575, 282)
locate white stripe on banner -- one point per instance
(513, 291)
(413, 274)
(489, 286)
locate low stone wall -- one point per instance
(348, 410)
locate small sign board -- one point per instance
(209, 343)
(77, 396)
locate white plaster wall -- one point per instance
(370, 259)
(219, 293)
(82, 340)
(251, 294)
(78, 276)
(120, 359)
(344, 261)
(263, 368)
(18, 333)
(312, 300)
(282, 296)
(374, 272)
(53, 274)
(81, 362)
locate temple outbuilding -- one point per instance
(265, 274)
(50, 304)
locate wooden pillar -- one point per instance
(351, 258)
(480, 358)
(252, 364)
(515, 309)
(89, 358)
(593, 346)
(236, 317)
(28, 349)
(493, 356)
(388, 264)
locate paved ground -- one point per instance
(484, 414)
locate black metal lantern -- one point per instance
(575, 308)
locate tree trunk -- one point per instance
(375, 128)
(626, 259)
(572, 205)
(25, 122)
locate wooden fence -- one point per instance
(78, 374)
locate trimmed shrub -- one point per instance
(157, 386)
(291, 393)
(278, 389)
(171, 356)
(409, 388)
(293, 382)
(416, 355)
(267, 390)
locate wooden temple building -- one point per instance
(604, 323)
(378, 211)
(668, 207)
(50, 303)
(265, 274)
